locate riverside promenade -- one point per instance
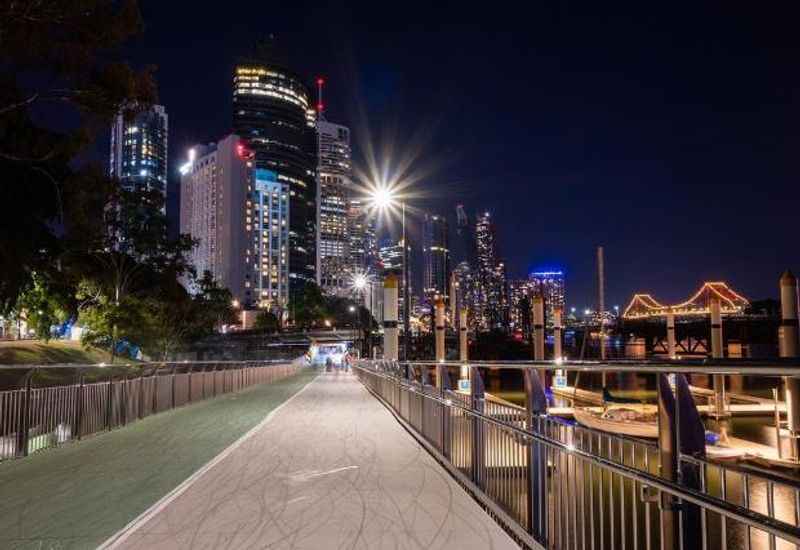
(332, 468)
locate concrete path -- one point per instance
(332, 469)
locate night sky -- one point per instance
(670, 137)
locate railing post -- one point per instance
(140, 412)
(155, 391)
(124, 401)
(445, 386)
(110, 403)
(189, 383)
(79, 407)
(172, 374)
(536, 472)
(477, 394)
(25, 417)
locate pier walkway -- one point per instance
(331, 469)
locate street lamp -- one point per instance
(384, 198)
(352, 310)
(359, 284)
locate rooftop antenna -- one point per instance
(320, 105)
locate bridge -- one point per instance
(388, 455)
(643, 306)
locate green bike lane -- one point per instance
(80, 494)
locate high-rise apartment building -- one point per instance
(363, 242)
(550, 285)
(273, 113)
(490, 277)
(335, 184)
(520, 292)
(436, 255)
(139, 149)
(240, 216)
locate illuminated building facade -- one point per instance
(139, 150)
(549, 285)
(239, 214)
(436, 255)
(491, 306)
(273, 114)
(520, 292)
(362, 236)
(335, 183)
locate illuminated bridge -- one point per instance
(644, 306)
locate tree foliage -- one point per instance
(268, 322)
(60, 84)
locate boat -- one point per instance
(641, 421)
(629, 419)
(772, 461)
(716, 452)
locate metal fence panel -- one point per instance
(33, 419)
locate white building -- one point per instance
(240, 217)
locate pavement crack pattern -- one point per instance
(332, 470)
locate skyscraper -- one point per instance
(361, 231)
(240, 216)
(139, 150)
(520, 292)
(335, 183)
(550, 285)
(436, 255)
(490, 277)
(272, 112)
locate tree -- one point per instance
(43, 305)
(57, 55)
(214, 304)
(134, 255)
(267, 322)
(307, 305)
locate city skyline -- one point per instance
(576, 194)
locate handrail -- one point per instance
(756, 520)
(791, 368)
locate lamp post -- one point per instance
(353, 310)
(360, 282)
(383, 198)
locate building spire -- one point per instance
(320, 104)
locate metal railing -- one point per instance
(36, 418)
(556, 484)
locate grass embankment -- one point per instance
(78, 495)
(36, 352)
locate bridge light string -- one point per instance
(732, 302)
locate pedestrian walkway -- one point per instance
(331, 469)
(78, 495)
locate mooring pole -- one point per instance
(538, 328)
(390, 341)
(787, 341)
(717, 353)
(671, 335)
